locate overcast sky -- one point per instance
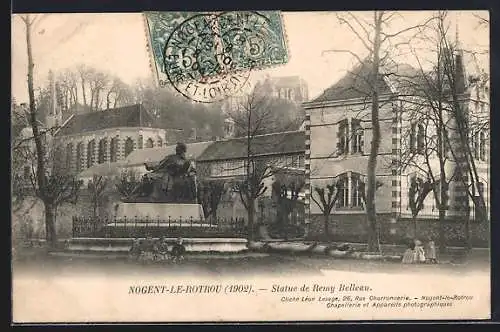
(116, 43)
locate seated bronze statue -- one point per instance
(172, 180)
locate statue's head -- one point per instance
(180, 149)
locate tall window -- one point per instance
(482, 145)
(159, 142)
(101, 155)
(480, 188)
(79, 156)
(343, 137)
(301, 161)
(343, 188)
(129, 146)
(356, 187)
(421, 139)
(113, 150)
(149, 143)
(358, 139)
(90, 153)
(69, 155)
(413, 137)
(27, 173)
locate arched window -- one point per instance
(159, 142)
(101, 155)
(140, 141)
(113, 150)
(69, 155)
(350, 188)
(149, 143)
(90, 153)
(79, 156)
(421, 139)
(129, 146)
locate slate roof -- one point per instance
(352, 85)
(401, 77)
(127, 116)
(236, 148)
(155, 155)
(105, 169)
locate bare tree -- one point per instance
(377, 41)
(118, 94)
(52, 188)
(97, 188)
(252, 114)
(68, 83)
(327, 198)
(97, 83)
(434, 102)
(210, 193)
(126, 183)
(84, 74)
(286, 190)
(417, 193)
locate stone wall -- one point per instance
(352, 228)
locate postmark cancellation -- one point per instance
(209, 56)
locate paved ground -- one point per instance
(35, 261)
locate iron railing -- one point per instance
(141, 227)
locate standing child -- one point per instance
(430, 251)
(419, 252)
(408, 256)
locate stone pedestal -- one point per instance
(162, 211)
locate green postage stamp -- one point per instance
(209, 56)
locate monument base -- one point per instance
(162, 211)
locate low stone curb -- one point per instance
(320, 250)
(190, 256)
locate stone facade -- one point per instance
(108, 145)
(338, 139)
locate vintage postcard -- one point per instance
(249, 166)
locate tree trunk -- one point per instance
(326, 221)
(373, 233)
(83, 92)
(251, 215)
(442, 237)
(415, 227)
(468, 237)
(40, 151)
(50, 225)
